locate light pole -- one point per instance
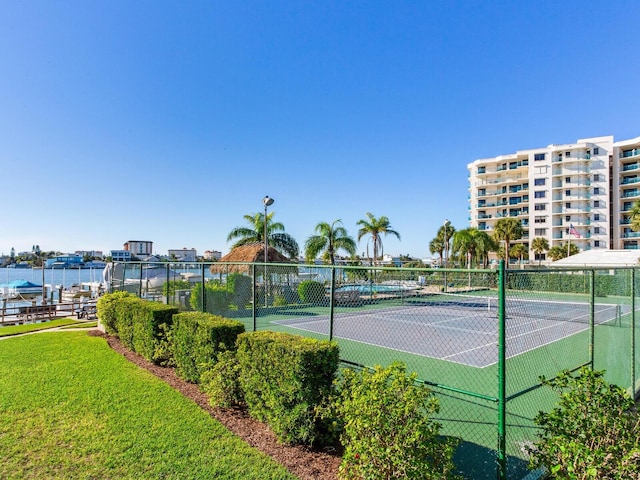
(267, 201)
(446, 250)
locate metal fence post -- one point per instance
(254, 289)
(502, 390)
(592, 319)
(333, 286)
(633, 331)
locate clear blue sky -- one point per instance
(170, 120)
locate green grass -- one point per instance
(35, 327)
(70, 407)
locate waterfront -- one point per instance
(52, 276)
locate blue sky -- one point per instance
(170, 120)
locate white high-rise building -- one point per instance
(579, 193)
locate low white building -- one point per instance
(184, 254)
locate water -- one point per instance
(52, 276)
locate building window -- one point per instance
(596, 203)
(540, 220)
(596, 217)
(540, 181)
(567, 193)
(568, 218)
(539, 207)
(540, 232)
(567, 205)
(596, 177)
(596, 243)
(567, 180)
(596, 151)
(540, 194)
(596, 190)
(539, 156)
(596, 229)
(567, 154)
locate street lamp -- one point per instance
(267, 201)
(446, 250)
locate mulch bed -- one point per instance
(303, 462)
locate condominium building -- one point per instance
(579, 193)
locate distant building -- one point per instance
(184, 254)
(212, 255)
(65, 261)
(90, 253)
(139, 248)
(120, 255)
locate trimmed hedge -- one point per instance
(284, 378)
(216, 298)
(106, 308)
(311, 291)
(197, 339)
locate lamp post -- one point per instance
(446, 250)
(267, 201)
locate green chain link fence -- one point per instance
(481, 339)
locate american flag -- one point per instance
(573, 231)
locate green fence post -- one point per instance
(633, 331)
(253, 287)
(167, 289)
(140, 284)
(592, 319)
(502, 390)
(333, 286)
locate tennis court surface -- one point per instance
(461, 329)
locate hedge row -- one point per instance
(197, 339)
(574, 282)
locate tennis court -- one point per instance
(462, 329)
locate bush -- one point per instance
(387, 429)
(592, 433)
(215, 298)
(198, 338)
(241, 286)
(106, 308)
(284, 378)
(311, 291)
(221, 383)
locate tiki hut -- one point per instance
(239, 259)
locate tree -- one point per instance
(519, 251)
(558, 252)
(635, 216)
(437, 246)
(539, 245)
(507, 229)
(474, 244)
(328, 240)
(375, 227)
(276, 237)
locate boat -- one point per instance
(20, 289)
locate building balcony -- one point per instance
(630, 193)
(631, 235)
(628, 181)
(630, 153)
(631, 166)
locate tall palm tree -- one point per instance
(507, 229)
(375, 227)
(329, 239)
(473, 243)
(635, 216)
(519, 251)
(539, 245)
(276, 237)
(437, 246)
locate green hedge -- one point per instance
(311, 291)
(197, 339)
(284, 378)
(106, 308)
(216, 298)
(617, 284)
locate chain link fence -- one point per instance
(481, 339)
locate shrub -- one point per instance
(215, 298)
(592, 432)
(284, 378)
(106, 308)
(387, 429)
(241, 286)
(311, 291)
(197, 339)
(169, 288)
(222, 382)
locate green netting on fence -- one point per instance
(444, 324)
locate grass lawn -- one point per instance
(34, 327)
(70, 407)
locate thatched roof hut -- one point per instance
(239, 259)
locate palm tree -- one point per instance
(329, 239)
(635, 216)
(374, 227)
(276, 238)
(473, 243)
(437, 246)
(539, 245)
(507, 229)
(519, 251)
